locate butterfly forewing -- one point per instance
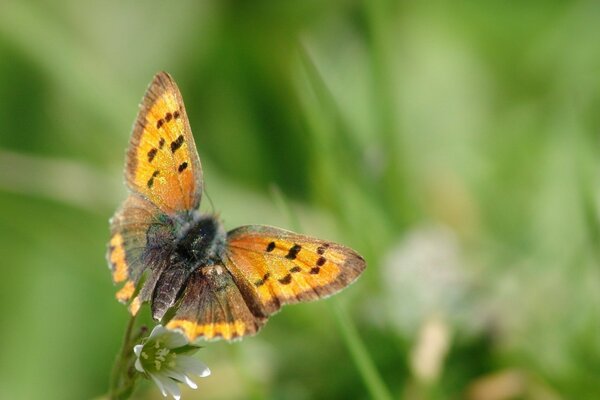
(162, 161)
(280, 267)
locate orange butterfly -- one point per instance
(215, 284)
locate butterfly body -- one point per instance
(165, 252)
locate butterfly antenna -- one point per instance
(212, 205)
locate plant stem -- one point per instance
(120, 381)
(360, 355)
(358, 351)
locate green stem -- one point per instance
(121, 382)
(358, 351)
(373, 381)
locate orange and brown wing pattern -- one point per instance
(127, 243)
(212, 307)
(278, 267)
(162, 161)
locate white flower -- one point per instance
(166, 358)
(425, 275)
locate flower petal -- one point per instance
(191, 364)
(138, 365)
(179, 374)
(175, 339)
(159, 383)
(190, 382)
(137, 349)
(171, 387)
(157, 331)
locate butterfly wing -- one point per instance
(275, 267)
(162, 161)
(262, 269)
(212, 307)
(126, 247)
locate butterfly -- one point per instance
(198, 278)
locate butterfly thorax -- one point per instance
(199, 239)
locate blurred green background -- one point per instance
(454, 144)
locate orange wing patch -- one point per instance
(135, 305)
(125, 293)
(162, 161)
(116, 258)
(223, 330)
(281, 267)
(119, 267)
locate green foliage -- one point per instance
(379, 122)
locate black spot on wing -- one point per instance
(291, 255)
(286, 280)
(175, 144)
(270, 247)
(321, 249)
(262, 281)
(151, 180)
(152, 154)
(182, 167)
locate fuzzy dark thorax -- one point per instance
(199, 239)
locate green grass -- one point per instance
(374, 121)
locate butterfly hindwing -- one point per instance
(128, 242)
(281, 267)
(162, 161)
(212, 307)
